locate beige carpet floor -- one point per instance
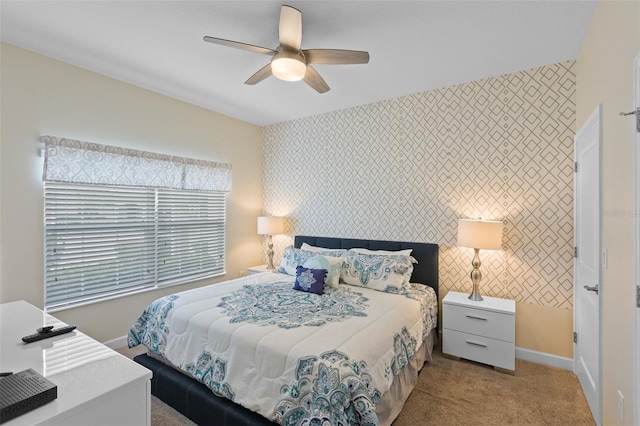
(459, 392)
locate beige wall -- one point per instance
(42, 96)
(604, 75)
(406, 169)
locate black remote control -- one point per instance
(50, 333)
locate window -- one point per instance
(102, 242)
(119, 221)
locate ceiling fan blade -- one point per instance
(290, 30)
(336, 56)
(262, 73)
(239, 45)
(313, 79)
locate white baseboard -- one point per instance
(116, 343)
(545, 358)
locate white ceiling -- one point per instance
(414, 46)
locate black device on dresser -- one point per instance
(24, 391)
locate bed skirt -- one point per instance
(195, 401)
(392, 401)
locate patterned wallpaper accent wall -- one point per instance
(407, 168)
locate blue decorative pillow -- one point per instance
(378, 272)
(310, 280)
(293, 257)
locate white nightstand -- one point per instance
(257, 269)
(481, 331)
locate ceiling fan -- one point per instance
(288, 61)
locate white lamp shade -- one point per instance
(480, 234)
(270, 225)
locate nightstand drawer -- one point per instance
(481, 349)
(479, 322)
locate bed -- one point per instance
(246, 352)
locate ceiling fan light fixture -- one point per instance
(288, 66)
(288, 69)
(288, 61)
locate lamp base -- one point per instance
(270, 254)
(476, 276)
(475, 295)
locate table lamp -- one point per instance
(270, 225)
(479, 234)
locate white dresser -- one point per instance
(482, 331)
(96, 385)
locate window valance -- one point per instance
(73, 161)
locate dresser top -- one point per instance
(82, 368)
(494, 304)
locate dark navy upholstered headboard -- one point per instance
(425, 272)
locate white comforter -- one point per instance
(294, 357)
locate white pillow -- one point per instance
(332, 264)
(308, 247)
(406, 252)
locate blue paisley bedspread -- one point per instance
(296, 358)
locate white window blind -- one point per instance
(120, 221)
(190, 235)
(105, 241)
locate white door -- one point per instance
(587, 284)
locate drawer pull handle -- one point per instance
(476, 343)
(475, 317)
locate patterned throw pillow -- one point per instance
(333, 265)
(310, 280)
(293, 257)
(378, 272)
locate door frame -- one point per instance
(636, 140)
(595, 116)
